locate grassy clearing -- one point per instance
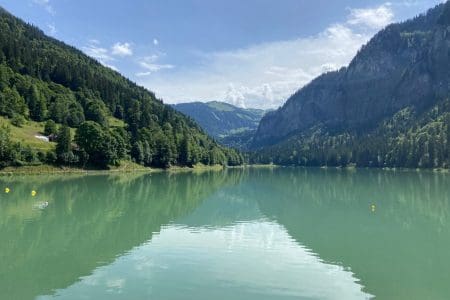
(26, 134)
(114, 122)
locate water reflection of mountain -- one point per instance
(224, 249)
(226, 207)
(400, 251)
(89, 222)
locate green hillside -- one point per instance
(230, 125)
(112, 118)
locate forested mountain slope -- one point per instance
(230, 125)
(389, 107)
(43, 79)
(221, 119)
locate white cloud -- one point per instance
(104, 55)
(155, 42)
(97, 52)
(46, 5)
(94, 50)
(112, 67)
(94, 41)
(234, 96)
(51, 29)
(263, 75)
(151, 65)
(375, 18)
(122, 49)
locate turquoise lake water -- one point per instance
(283, 233)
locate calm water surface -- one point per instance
(237, 234)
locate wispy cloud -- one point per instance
(375, 18)
(122, 49)
(46, 5)
(51, 29)
(150, 65)
(265, 75)
(95, 50)
(262, 75)
(107, 55)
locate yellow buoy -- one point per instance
(7, 190)
(33, 193)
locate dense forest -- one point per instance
(389, 108)
(408, 139)
(45, 80)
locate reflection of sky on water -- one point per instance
(251, 260)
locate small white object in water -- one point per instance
(41, 205)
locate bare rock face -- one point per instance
(404, 65)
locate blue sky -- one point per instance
(252, 53)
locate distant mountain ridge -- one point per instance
(229, 124)
(393, 91)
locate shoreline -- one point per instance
(126, 168)
(130, 167)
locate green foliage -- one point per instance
(11, 102)
(50, 128)
(405, 140)
(96, 111)
(43, 79)
(185, 151)
(18, 120)
(15, 154)
(64, 152)
(36, 103)
(76, 115)
(102, 146)
(5, 144)
(230, 125)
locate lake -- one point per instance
(282, 233)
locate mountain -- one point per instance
(230, 125)
(389, 107)
(45, 80)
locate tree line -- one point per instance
(44, 80)
(408, 139)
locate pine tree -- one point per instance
(137, 152)
(185, 151)
(36, 104)
(63, 147)
(50, 128)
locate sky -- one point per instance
(252, 53)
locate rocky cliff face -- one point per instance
(404, 65)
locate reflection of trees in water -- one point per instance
(402, 195)
(90, 221)
(400, 251)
